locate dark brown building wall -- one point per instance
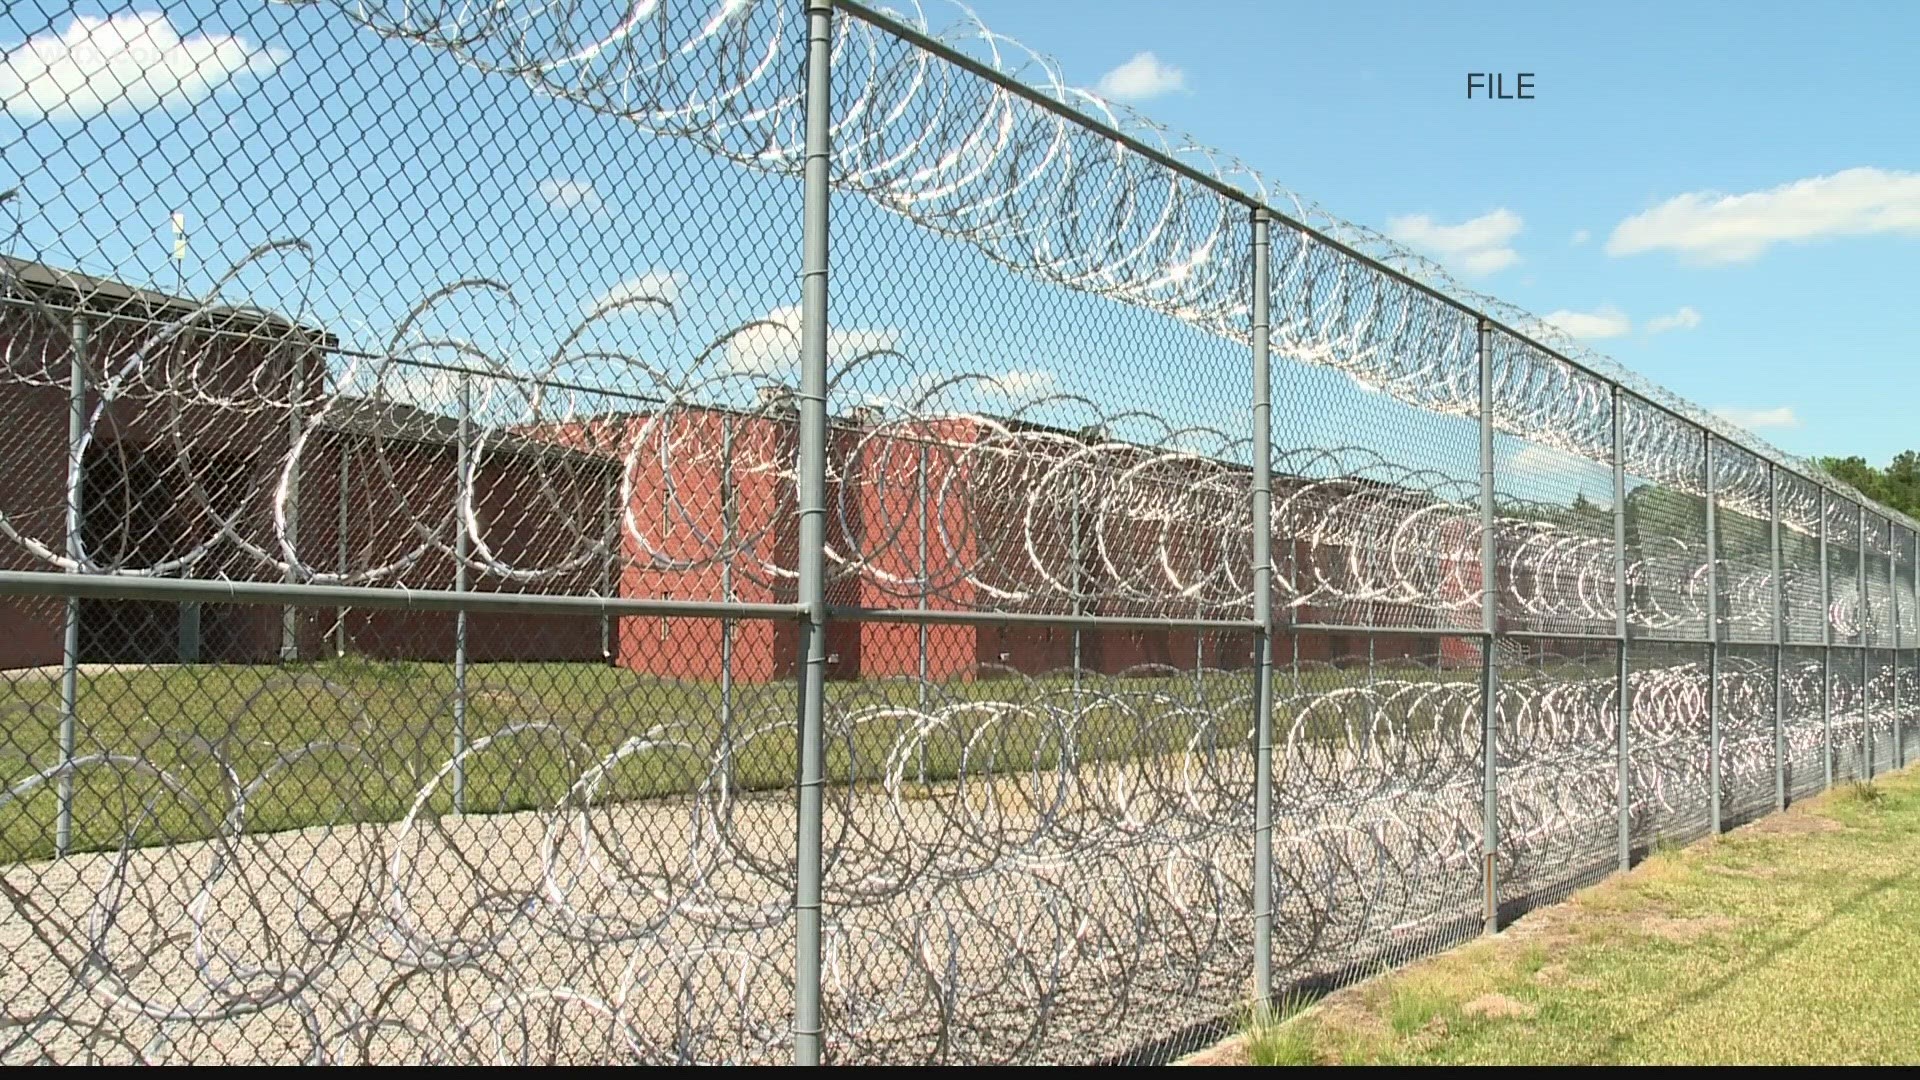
(185, 460)
(538, 516)
(164, 476)
(33, 463)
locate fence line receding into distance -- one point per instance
(771, 531)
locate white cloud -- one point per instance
(1607, 322)
(432, 389)
(1537, 459)
(131, 61)
(1024, 384)
(1477, 246)
(772, 346)
(1581, 236)
(1685, 319)
(1142, 77)
(565, 194)
(661, 287)
(1757, 419)
(1717, 228)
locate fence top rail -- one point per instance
(220, 591)
(990, 617)
(1648, 393)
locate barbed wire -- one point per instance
(989, 901)
(1043, 192)
(1013, 512)
(427, 861)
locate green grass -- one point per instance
(1272, 1040)
(355, 740)
(1790, 941)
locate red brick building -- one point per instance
(187, 471)
(181, 471)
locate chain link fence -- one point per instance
(769, 531)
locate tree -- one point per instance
(1897, 487)
(1903, 480)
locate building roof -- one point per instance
(402, 422)
(71, 291)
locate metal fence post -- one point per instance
(1866, 653)
(1826, 652)
(1713, 636)
(1079, 587)
(296, 393)
(1623, 703)
(341, 548)
(610, 565)
(1893, 580)
(920, 632)
(463, 496)
(187, 638)
(920, 544)
(1893, 617)
(1199, 657)
(70, 640)
(1262, 580)
(727, 514)
(813, 512)
(1779, 640)
(1489, 630)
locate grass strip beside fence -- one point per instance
(1789, 941)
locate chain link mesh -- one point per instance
(405, 622)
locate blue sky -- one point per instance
(1605, 200)
(1808, 327)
